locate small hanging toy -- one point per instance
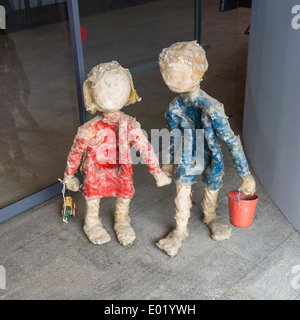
(69, 206)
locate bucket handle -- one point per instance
(239, 195)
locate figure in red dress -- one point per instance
(106, 141)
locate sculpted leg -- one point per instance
(183, 204)
(93, 227)
(219, 229)
(122, 227)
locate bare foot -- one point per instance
(172, 242)
(219, 229)
(96, 233)
(124, 232)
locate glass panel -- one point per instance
(39, 109)
(224, 33)
(134, 33)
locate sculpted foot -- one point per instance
(219, 229)
(96, 233)
(124, 232)
(172, 242)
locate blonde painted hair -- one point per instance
(190, 53)
(96, 73)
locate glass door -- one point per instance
(39, 107)
(42, 70)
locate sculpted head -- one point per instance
(182, 66)
(108, 88)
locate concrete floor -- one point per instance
(45, 258)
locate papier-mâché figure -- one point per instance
(106, 141)
(182, 66)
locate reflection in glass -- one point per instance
(134, 36)
(39, 110)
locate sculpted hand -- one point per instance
(248, 185)
(72, 184)
(162, 179)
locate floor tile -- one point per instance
(268, 230)
(275, 278)
(133, 280)
(29, 225)
(207, 277)
(58, 281)
(34, 257)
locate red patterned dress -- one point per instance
(107, 166)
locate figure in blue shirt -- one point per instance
(182, 67)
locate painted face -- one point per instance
(180, 78)
(111, 92)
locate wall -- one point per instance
(271, 127)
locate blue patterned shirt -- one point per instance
(204, 112)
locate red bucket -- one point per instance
(241, 208)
